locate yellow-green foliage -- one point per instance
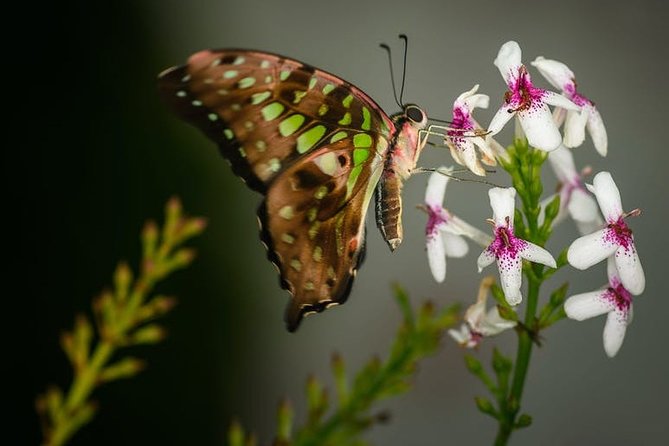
(122, 317)
(342, 425)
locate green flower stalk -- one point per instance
(122, 317)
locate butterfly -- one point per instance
(316, 147)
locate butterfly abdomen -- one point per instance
(389, 207)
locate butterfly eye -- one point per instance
(415, 114)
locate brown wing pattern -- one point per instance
(313, 143)
(313, 221)
(266, 111)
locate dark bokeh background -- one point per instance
(92, 154)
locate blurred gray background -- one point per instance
(238, 358)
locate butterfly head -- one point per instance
(415, 116)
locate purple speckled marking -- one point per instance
(620, 234)
(436, 216)
(618, 296)
(575, 96)
(523, 96)
(506, 247)
(462, 122)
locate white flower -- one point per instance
(614, 300)
(615, 239)
(507, 249)
(464, 134)
(527, 102)
(574, 197)
(480, 323)
(444, 230)
(560, 76)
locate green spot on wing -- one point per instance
(337, 136)
(309, 138)
(346, 120)
(284, 74)
(230, 74)
(323, 109)
(328, 88)
(257, 98)
(346, 102)
(360, 155)
(246, 82)
(291, 124)
(298, 96)
(312, 82)
(286, 212)
(366, 119)
(362, 140)
(272, 111)
(352, 178)
(228, 134)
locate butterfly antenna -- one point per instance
(392, 76)
(404, 65)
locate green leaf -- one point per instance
(284, 422)
(508, 313)
(402, 299)
(524, 420)
(485, 406)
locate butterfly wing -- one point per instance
(266, 111)
(314, 144)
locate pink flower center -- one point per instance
(436, 216)
(506, 245)
(619, 233)
(619, 296)
(522, 94)
(460, 123)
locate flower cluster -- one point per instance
(602, 238)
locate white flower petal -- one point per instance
(508, 60)
(454, 245)
(590, 249)
(477, 101)
(493, 323)
(485, 259)
(456, 225)
(562, 162)
(436, 257)
(468, 155)
(614, 331)
(608, 196)
(462, 99)
(630, 269)
(455, 152)
(502, 202)
(557, 100)
(537, 254)
(510, 276)
(574, 128)
(588, 227)
(476, 312)
(586, 305)
(436, 187)
(538, 125)
(597, 130)
(503, 115)
(583, 207)
(612, 270)
(485, 148)
(461, 336)
(559, 115)
(556, 73)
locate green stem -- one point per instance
(511, 406)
